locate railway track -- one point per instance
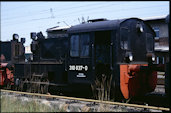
(89, 102)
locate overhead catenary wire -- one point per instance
(69, 9)
(47, 11)
(45, 26)
(64, 15)
(115, 11)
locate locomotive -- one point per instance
(11, 52)
(121, 51)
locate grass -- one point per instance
(102, 92)
(9, 104)
(101, 88)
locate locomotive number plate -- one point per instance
(78, 67)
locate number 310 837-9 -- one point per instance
(78, 67)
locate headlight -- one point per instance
(139, 27)
(153, 58)
(15, 36)
(130, 57)
(150, 57)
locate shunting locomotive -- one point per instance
(122, 51)
(122, 48)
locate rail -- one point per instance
(90, 100)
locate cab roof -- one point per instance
(95, 26)
(102, 25)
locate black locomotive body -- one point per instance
(114, 48)
(46, 66)
(119, 50)
(11, 52)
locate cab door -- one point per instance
(102, 53)
(79, 60)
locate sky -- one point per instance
(26, 17)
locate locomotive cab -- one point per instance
(121, 50)
(137, 76)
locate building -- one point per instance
(160, 27)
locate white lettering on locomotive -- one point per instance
(78, 67)
(71, 67)
(81, 75)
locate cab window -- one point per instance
(74, 42)
(124, 39)
(79, 45)
(84, 45)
